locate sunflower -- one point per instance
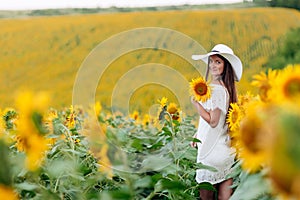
(50, 116)
(285, 153)
(30, 134)
(253, 137)
(97, 108)
(286, 88)
(200, 89)
(244, 99)
(163, 101)
(96, 135)
(173, 110)
(263, 82)
(234, 117)
(134, 115)
(71, 118)
(7, 193)
(146, 119)
(163, 108)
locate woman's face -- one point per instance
(216, 65)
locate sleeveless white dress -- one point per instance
(214, 149)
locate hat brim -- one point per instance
(232, 59)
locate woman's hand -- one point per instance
(194, 102)
(192, 143)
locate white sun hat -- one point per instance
(226, 52)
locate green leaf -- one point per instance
(5, 168)
(251, 187)
(154, 162)
(143, 182)
(196, 140)
(37, 119)
(166, 184)
(27, 186)
(137, 144)
(202, 166)
(206, 186)
(167, 131)
(122, 194)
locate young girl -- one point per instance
(214, 150)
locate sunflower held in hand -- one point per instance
(200, 89)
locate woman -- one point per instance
(214, 150)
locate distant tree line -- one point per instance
(280, 3)
(288, 52)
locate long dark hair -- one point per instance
(228, 79)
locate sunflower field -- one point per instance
(53, 149)
(45, 53)
(89, 154)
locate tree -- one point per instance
(285, 3)
(288, 52)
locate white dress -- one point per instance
(214, 149)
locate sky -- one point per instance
(48, 4)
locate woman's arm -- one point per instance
(211, 117)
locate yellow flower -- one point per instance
(286, 87)
(253, 137)
(163, 108)
(49, 117)
(163, 101)
(263, 82)
(4, 134)
(146, 120)
(135, 115)
(285, 153)
(97, 108)
(71, 118)
(35, 149)
(200, 89)
(77, 141)
(173, 110)
(234, 117)
(30, 131)
(103, 160)
(52, 114)
(7, 193)
(96, 135)
(245, 99)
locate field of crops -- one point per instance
(76, 153)
(97, 106)
(45, 53)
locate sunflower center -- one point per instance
(172, 110)
(201, 88)
(263, 92)
(249, 131)
(234, 116)
(292, 87)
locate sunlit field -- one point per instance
(45, 53)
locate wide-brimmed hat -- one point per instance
(226, 52)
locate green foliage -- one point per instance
(5, 171)
(279, 3)
(153, 161)
(156, 163)
(288, 53)
(285, 3)
(250, 186)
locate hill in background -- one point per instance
(113, 9)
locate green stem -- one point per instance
(69, 136)
(170, 123)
